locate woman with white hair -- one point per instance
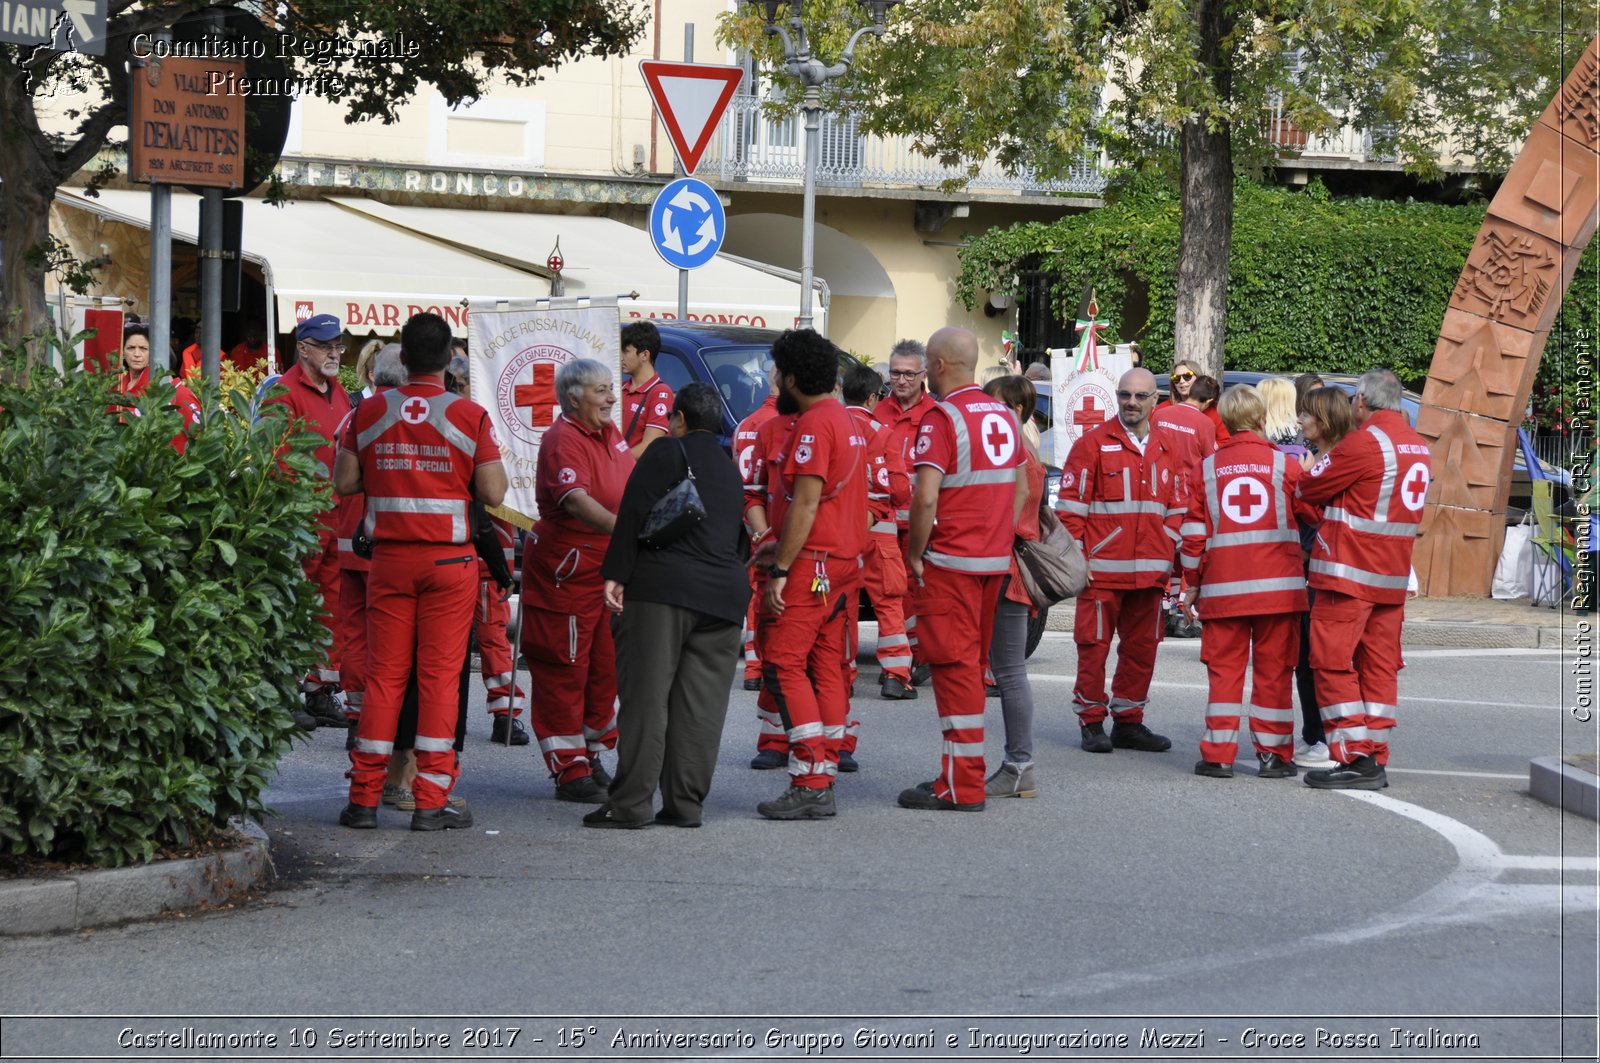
(566, 634)
(1282, 425)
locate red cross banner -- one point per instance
(1083, 399)
(516, 349)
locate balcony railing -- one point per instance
(1345, 144)
(752, 147)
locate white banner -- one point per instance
(1083, 401)
(515, 350)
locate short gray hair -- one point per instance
(388, 371)
(1379, 389)
(1037, 371)
(575, 377)
(911, 349)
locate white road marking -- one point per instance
(1465, 774)
(1052, 677)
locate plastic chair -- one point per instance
(1552, 580)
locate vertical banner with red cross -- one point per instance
(1083, 399)
(517, 346)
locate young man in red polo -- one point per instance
(646, 401)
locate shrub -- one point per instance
(154, 620)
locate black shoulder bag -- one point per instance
(675, 513)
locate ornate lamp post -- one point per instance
(813, 74)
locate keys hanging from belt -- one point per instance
(819, 582)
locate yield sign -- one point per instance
(690, 97)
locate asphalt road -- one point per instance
(1131, 896)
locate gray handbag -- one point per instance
(675, 513)
(1052, 569)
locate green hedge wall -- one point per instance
(1315, 283)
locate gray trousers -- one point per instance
(674, 672)
(1008, 660)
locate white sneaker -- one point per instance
(1313, 756)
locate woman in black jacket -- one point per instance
(678, 615)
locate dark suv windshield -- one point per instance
(741, 375)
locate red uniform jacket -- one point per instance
(902, 425)
(975, 441)
(888, 486)
(1123, 506)
(744, 452)
(1372, 485)
(1192, 435)
(1241, 543)
(183, 401)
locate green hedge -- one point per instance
(1314, 283)
(154, 620)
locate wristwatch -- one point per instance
(775, 572)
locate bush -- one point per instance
(154, 620)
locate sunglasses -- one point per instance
(1183, 376)
(1142, 396)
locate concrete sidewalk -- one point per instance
(1482, 623)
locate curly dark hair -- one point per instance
(808, 357)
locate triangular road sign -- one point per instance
(690, 97)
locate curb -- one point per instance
(1558, 783)
(96, 898)
(1423, 633)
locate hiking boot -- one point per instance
(1212, 770)
(597, 772)
(1011, 780)
(921, 674)
(581, 791)
(1275, 767)
(328, 708)
(303, 719)
(847, 763)
(359, 817)
(892, 689)
(797, 802)
(402, 798)
(508, 730)
(768, 759)
(1138, 736)
(447, 818)
(350, 736)
(753, 684)
(922, 798)
(1094, 737)
(1363, 773)
(605, 818)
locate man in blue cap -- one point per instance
(311, 391)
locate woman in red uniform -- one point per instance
(135, 379)
(566, 633)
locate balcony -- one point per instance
(751, 147)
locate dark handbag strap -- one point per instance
(638, 413)
(688, 470)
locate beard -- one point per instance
(787, 403)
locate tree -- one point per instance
(462, 46)
(1037, 83)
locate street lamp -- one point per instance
(813, 73)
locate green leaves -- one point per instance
(154, 619)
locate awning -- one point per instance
(322, 258)
(604, 257)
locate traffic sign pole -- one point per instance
(683, 274)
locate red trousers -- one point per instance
(322, 568)
(908, 608)
(1270, 645)
(419, 606)
(1355, 658)
(771, 734)
(1134, 616)
(353, 638)
(752, 656)
(802, 669)
(494, 650)
(572, 663)
(884, 573)
(952, 629)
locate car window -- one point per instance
(674, 372)
(740, 374)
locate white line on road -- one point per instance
(1411, 654)
(1464, 774)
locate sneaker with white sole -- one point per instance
(1313, 756)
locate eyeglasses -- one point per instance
(1185, 375)
(906, 374)
(1142, 396)
(326, 345)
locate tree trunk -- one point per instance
(1205, 239)
(25, 221)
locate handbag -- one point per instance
(675, 513)
(1053, 569)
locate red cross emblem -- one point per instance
(1088, 414)
(539, 396)
(415, 410)
(1244, 500)
(1414, 488)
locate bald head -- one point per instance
(1136, 397)
(952, 359)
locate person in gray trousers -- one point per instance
(678, 615)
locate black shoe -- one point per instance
(1138, 736)
(921, 797)
(1275, 767)
(581, 791)
(991, 692)
(1188, 629)
(797, 802)
(847, 763)
(894, 690)
(1212, 770)
(326, 708)
(350, 736)
(597, 772)
(303, 719)
(1094, 738)
(768, 759)
(921, 674)
(605, 818)
(667, 819)
(508, 730)
(1173, 620)
(447, 818)
(1363, 773)
(753, 684)
(359, 817)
